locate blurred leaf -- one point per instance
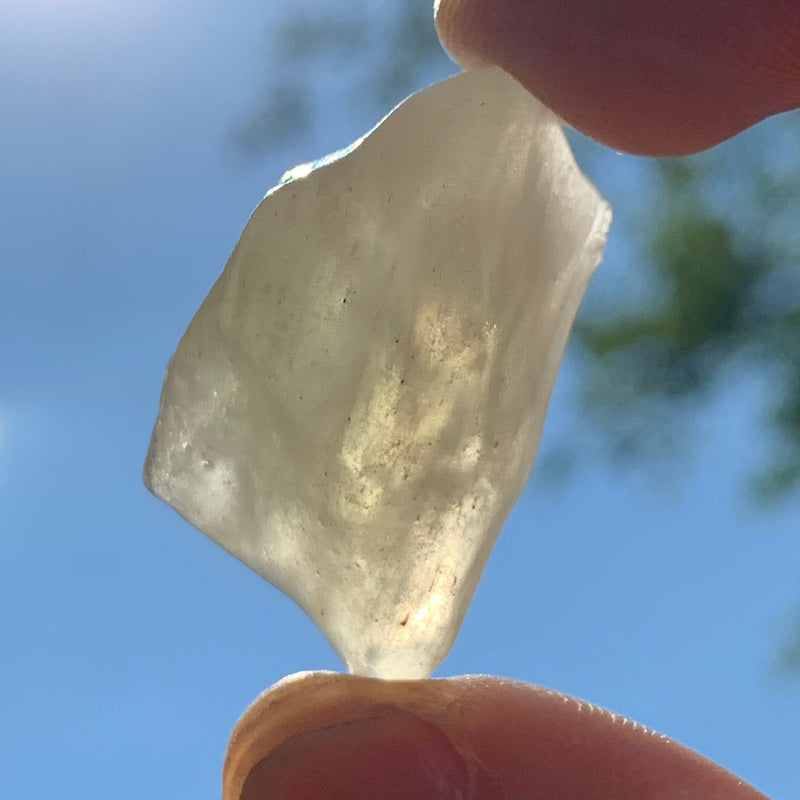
(412, 49)
(307, 36)
(788, 660)
(287, 110)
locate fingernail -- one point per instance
(390, 754)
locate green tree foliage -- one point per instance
(712, 289)
(720, 246)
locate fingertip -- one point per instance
(657, 78)
(457, 23)
(389, 753)
(348, 738)
(344, 738)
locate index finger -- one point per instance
(652, 77)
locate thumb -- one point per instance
(344, 737)
(653, 77)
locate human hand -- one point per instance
(653, 77)
(344, 737)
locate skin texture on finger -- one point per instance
(652, 77)
(345, 737)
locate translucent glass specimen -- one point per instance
(357, 404)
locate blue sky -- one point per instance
(129, 644)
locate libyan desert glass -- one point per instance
(357, 404)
